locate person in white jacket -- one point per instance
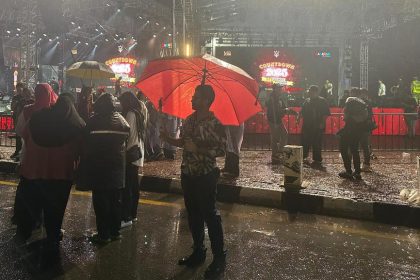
(135, 113)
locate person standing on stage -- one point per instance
(314, 113)
(415, 89)
(203, 139)
(381, 93)
(118, 86)
(276, 110)
(329, 91)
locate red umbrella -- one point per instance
(172, 82)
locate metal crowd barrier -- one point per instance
(7, 133)
(392, 132)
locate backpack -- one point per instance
(356, 110)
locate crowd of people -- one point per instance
(359, 124)
(87, 141)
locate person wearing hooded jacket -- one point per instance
(52, 140)
(44, 98)
(104, 161)
(135, 113)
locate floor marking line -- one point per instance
(89, 194)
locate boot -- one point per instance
(217, 266)
(196, 258)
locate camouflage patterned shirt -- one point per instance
(208, 133)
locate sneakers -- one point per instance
(357, 176)
(366, 168)
(307, 161)
(195, 259)
(217, 267)
(345, 175)
(229, 175)
(125, 224)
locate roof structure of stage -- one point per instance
(176, 24)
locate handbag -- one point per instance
(133, 154)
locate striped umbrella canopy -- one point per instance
(90, 70)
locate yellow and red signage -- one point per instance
(277, 73)
(123, 67)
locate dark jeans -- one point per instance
(130, 194)
(48, 196)
(349, 142)
(232, 163)
(312, 138)
(200, 201)
(366, 147)
(107, 206)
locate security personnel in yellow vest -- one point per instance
(415, 88)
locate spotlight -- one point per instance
(157, 23)
(148, 21)
(119, 10)
(56, 37)
(45, 35)
(8, 31)
(96, 46)
(50, 39)
(78, 27)
(96, 29)
(87, 44)
(18, 29)
(164, 28)
(170, 35)
(73, 23)
(108, 5)
(154, 35)
(33, 32)
(106, 40)
(140, 17)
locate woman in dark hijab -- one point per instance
(135, 113)
(52, 144)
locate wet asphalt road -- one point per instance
(263, 243)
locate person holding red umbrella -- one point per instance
(203, 139)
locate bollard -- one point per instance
(418, 172)
(293, 166)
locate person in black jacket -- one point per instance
(314, 112)
(276, 110)
(106, 133)
(356, 118)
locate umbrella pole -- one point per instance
(203, 80)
